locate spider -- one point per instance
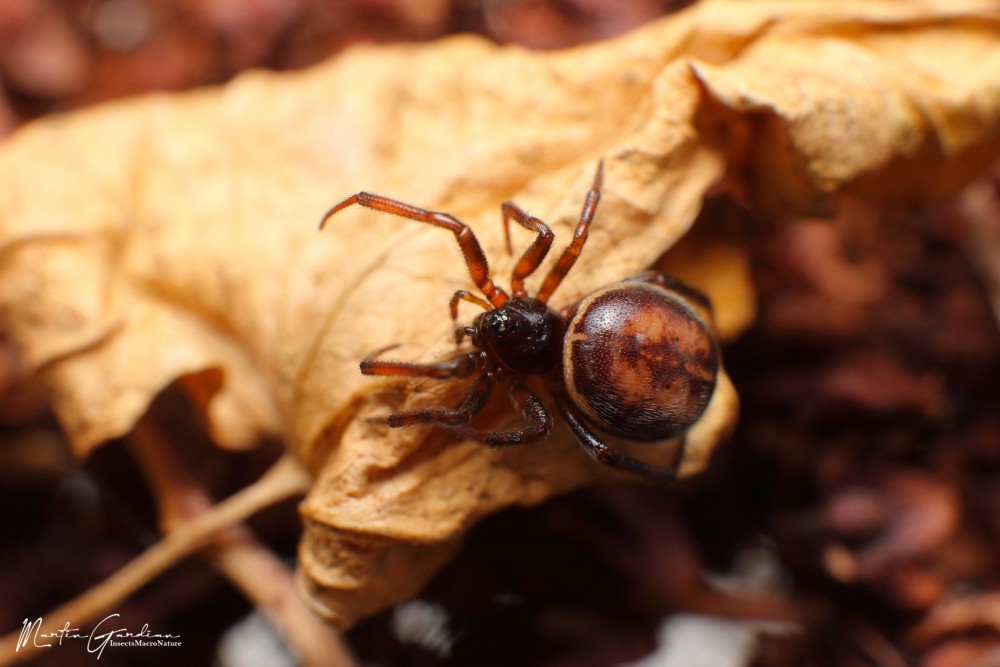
(635, 360)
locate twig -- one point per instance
(283, 480)
(262, 577)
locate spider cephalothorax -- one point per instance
(524, 336)
(635, 359)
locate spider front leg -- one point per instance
(572, 251)
(475, 258)
(535, 253)
(602, 452)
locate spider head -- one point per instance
(523, 335)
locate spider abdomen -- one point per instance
(639, 361)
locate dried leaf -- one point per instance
(174, 236)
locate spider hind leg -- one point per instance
(474, 401)
(534, 411)
(604, 453)
(457, 419)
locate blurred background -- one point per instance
(60, 55)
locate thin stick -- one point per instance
(283, 480)
(237, 553)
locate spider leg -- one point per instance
(461, 333)
(535, 253)
(459, 367)
(475, 258)
(604, 453)
(673, 284)
(538, 416)
(462, 295)
(459, 296)
(572, 251)
(470, 406)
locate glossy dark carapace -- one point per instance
(636, 360)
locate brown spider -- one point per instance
(634, 359)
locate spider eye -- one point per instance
(501, 323)
(498, 323)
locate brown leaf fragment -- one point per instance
(174, 236)
(903, 519)
(876, 384)
(961, 614)
(961, 652)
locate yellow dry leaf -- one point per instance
(174, 236)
